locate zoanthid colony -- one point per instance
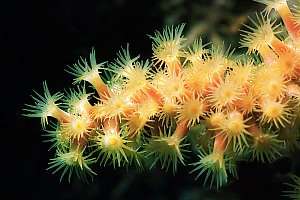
(201, 99)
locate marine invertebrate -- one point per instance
(294, 189)
(148, 108)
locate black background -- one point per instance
(39, 39)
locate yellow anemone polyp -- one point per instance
(169, 108)
(234, 125)
(167, 111)
(148, 108)
(135, 123)
(136, 79)
(215, 119)
(192, 81)
(170, 86)
(260, 34)
(173, 141)
(191, 110)
(74, 157)
(77, 128)
(242, 74)
(218, 159)
(247, 103)
(225, 94)
(269, 86)
(234, 129)
(112, 141)
(167, 52)
(167, 46)
(117, 105)
(79, 125)
(275, 112)
(274, 89)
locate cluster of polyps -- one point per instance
(148, 113)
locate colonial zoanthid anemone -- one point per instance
(143, 111)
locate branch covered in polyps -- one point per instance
(146, 113)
